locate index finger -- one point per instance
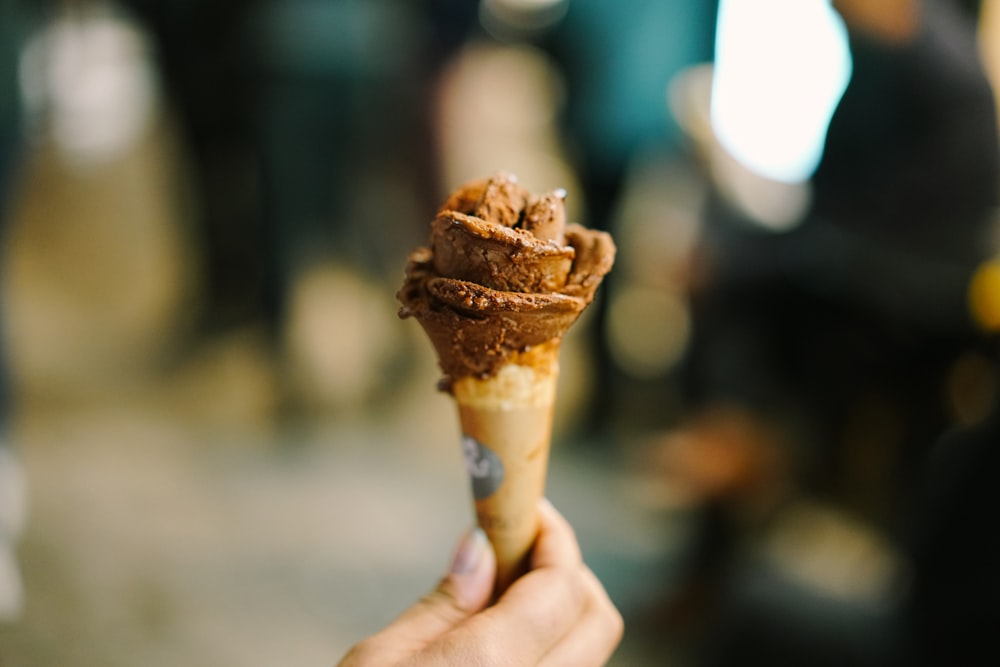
(556, 545)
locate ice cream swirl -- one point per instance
(504, 272)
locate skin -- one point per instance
(893, 21)
(556, 615)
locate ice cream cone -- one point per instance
(503, 279)
(506, 422)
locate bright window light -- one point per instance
(781, 67)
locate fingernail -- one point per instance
(470, 552)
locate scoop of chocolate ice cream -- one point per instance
(503, 273)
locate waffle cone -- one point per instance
(506, 424)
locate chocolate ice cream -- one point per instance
(504, 273)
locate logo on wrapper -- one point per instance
(484, 467)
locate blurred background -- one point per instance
(775, 426)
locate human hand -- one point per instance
(556, 614)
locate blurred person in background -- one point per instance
(617, 60)
(15, 21)
(306, 130)
(612, 63)
(833, 333)
(203, 58)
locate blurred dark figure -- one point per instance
(204, 59)
(306, 125)
(835, 342)
(15, 22)
(947, 611)
(851, 321)
(13, 31)
(971, 8)
(617, 60)
(953, 609)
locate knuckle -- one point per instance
(362, 654)
(616, 623)
(443, 605)
(573, 585)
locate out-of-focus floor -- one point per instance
(174, 519)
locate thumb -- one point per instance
(469, 582)
(465, 590)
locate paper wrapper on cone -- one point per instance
(506, 425)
